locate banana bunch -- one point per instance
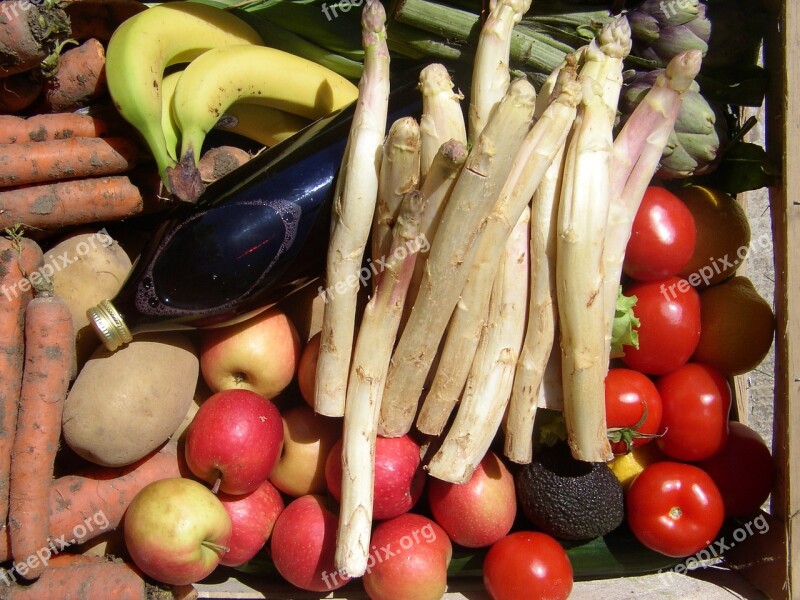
(229, 79)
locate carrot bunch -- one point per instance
(39, 514)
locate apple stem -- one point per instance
(217, 547)
(217, 483)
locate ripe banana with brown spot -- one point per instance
(150, 41)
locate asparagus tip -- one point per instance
(682, 70)
(373, 18)
(615, 37)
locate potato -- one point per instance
(86, 268)
(125, 404)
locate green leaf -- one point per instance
(744, 167)
(624, 331)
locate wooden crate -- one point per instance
(767, 566)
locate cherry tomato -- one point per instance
(696, 404)
(633, 409)
(662, 238)
(674, 508)
(743, 470)
(669, 329)
(527, 564)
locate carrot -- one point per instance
(94, 500)
(38, 162)
(75, 577)
(79, 78)
(47, 127)
(27, 33)
(18, 92)
(18, 257)
(99, 18)
(46, 375)
(50, 206)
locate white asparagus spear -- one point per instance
(530, 164)
(442, 118)
(490, 74)
(436, 189)
(491, 377)
(582, 217)
(452, 252)
(351, 218)
(637, 151)
(399, 174)
(370, 363)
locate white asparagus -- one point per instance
(442, 118)
(399, 174)
(636, 154)
(540, 333)
(370, 362)
(489, 385)
(436, 189)
(351, 218)
(490, 74)
(452, 252)
(531, 162)
(582, 217)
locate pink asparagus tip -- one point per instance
(373, 19)
(683, 68)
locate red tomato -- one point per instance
(628, 394)
(744, 452)
(674, 508)
(527, 564)
(662, 238)
(669, 329)
(696, 402)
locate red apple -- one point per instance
(234, 441)
(176, 530)
(307, 369)
(259, 354)
(409, 559)
(399, 480)
(307, 441)
(479, 512)
(303, 545)
(253, 516)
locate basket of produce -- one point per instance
(423, 299)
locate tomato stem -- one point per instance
(675, 512)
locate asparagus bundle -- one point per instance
(492, 373)
(532, 160)
(452, 251)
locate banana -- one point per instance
(263, 124)
(148, 42)
(169, 127)
(256, 75)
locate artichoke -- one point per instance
(663, 28)
(700, 132)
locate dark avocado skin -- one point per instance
(567, 498)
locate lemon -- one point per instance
(627, 466)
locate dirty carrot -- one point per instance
(46, 374)
(27, 32)
(18, 257)
(50, 126)
(97, 497)
(50, 206)
(18, 92)
(40, 162)
(76, 577)
(79, 78)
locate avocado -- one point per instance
(568, 498)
